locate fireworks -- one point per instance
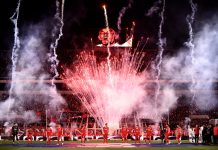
(119, 86)
(108, 100)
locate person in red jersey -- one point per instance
(178, 134)
(124, 133)
(167, 133)
(149, 133)
(35, 133)
(29, 135)
(59, 134)
(48, 135)
(137, 134)
(105, 133)
(83, 133)
(215, 133)
(196, 131)
(131, 131)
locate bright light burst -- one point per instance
(107, 102)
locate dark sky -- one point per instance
(84, 18)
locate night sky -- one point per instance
(84, 18)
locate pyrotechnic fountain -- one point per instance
(115, 87)
(110, 89)
(108, 101)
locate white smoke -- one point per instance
(205, 68)
(154, 8)
(122, 12)
(52, 125)
(180, 68)
(167, 99)
(30, 92)
(7, 128)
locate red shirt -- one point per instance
(83, 131)
(149, 131)
(124, 131)
(105, 130)
(215, 130)
(36, 132)
(178, 131)
(196, 130)
(167, 130)
(137, 131)
(49, 131)
(29, 132)
(60, 131)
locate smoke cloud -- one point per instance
(28, 95)
(122, 12)
(204, 67)
(154, 8)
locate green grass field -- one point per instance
(89, 141)
(147, 148)
(18, 147)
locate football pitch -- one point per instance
(7, 145)
(111, 148)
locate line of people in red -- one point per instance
(148, 134)
(136, 132)
(124, 132)
(59, 132)
(48, 134)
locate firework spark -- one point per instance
(160, 55)
(57, 30)
(15, 50)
